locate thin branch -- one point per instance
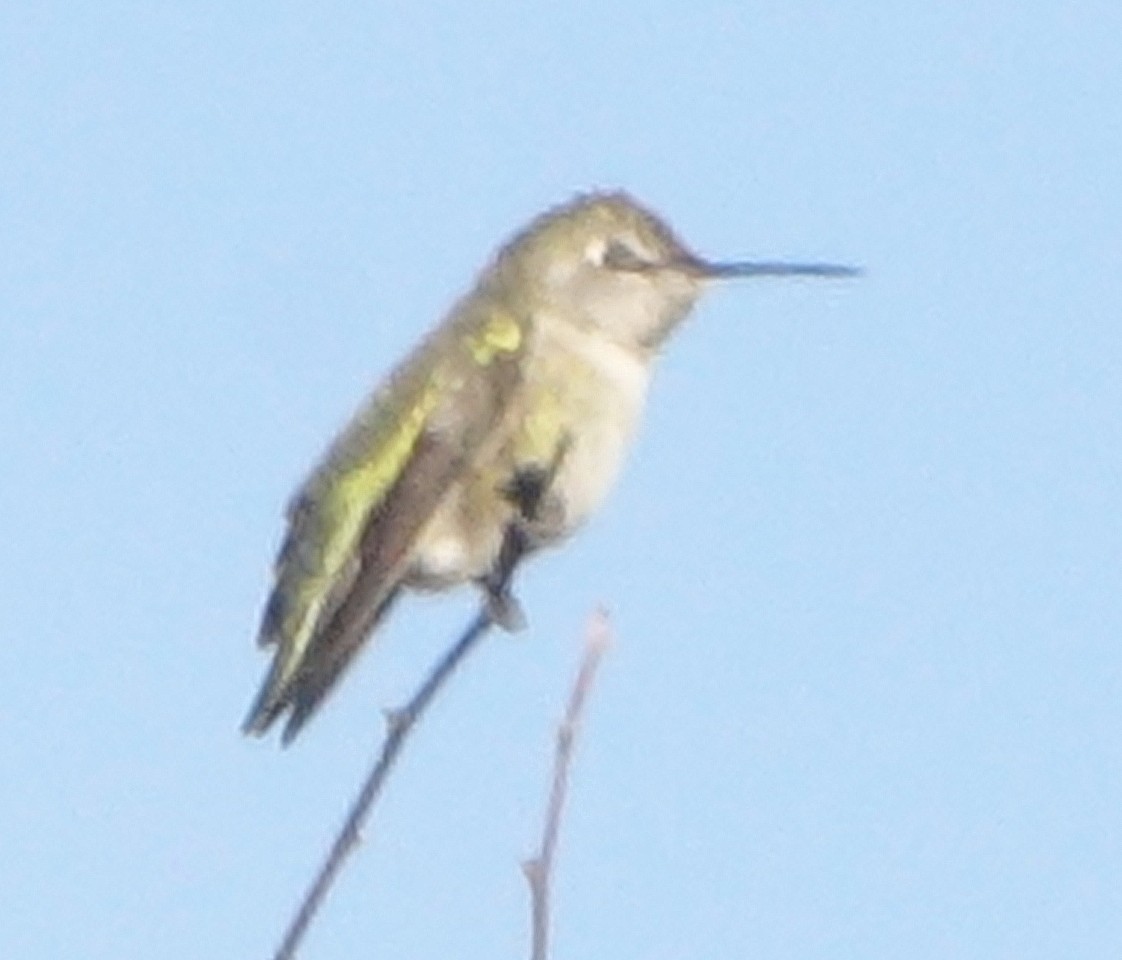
(499, 608)
(401, 722)
(539, 870)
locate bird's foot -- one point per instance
(503, 608)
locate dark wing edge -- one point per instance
(385, 551)
(357, 601)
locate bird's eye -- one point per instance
(619, 255)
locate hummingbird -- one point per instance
(497, 436)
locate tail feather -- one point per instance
(301, 694)
(269, 704)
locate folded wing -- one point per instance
(353, 526)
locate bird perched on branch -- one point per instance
(498, 435)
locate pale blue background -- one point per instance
(866, 699)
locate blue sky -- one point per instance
(866, 695)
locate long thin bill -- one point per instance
(774, 268)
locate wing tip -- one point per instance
(296, 696)
(261, 716)
(271, 701)
(268, 710)
(295, 723)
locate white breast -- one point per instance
(610, 414)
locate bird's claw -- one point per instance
(505, 611)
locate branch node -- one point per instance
(394, 718)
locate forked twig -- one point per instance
(401, 722)
(539, 870)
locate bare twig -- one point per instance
(401, 722)
(499, 607)
(539, 870)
